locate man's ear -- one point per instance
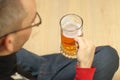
(9, 43)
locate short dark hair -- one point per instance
(12, 14)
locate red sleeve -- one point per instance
(84, 73)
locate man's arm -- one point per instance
(84, 73)
(85, 56)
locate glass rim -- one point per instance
(81, 26)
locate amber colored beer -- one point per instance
(68, 46)
(71, 27)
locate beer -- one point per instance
(71, 27)
(68, 45)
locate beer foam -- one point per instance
(72, 30)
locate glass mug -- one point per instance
(71, 27)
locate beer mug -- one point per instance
(71, 27)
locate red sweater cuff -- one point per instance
(84, 73)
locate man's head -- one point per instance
(15, 15)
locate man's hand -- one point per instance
(85, 54)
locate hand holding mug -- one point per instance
(85, 53)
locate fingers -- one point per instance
(84, 43)
(81, 42)
(85, 52)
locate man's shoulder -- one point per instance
(23, 51)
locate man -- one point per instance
(17, 17)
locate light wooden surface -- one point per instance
(101, 24)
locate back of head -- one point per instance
(12, 14)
